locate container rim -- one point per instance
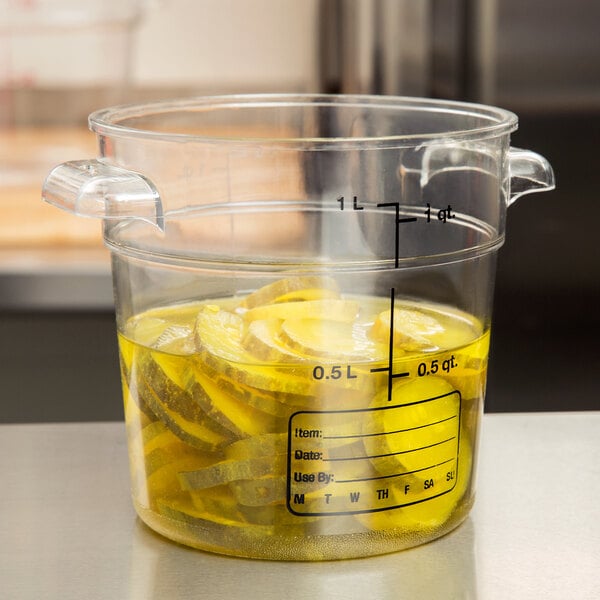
(290, 267)
(489, 121)
(118, 236)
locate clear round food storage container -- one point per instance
(303, 290)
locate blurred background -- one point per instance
(62, 59)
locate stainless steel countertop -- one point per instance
(68, 530)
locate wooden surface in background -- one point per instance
(26, 221)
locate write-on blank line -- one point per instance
(361, 435)
(395, 474)
(390, 453)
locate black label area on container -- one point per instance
(367, 460)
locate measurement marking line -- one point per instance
(396, 205)
(390, 453)
(391, 348)
(360, 435)
(407, 220)
(382, 369)
(395, 474)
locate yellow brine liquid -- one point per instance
(297, 423)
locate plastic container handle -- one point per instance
(90, 188)
(529, 173)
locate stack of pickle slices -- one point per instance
(210, 388)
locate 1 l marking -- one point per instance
(355, 205)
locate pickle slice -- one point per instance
(137, 412)
(219, 340)
(276, 404)
(428, 514)
(239, 418)
(126, 357)
(431, 513)
(217, 503)
(146, 331)
(231, 470)
(136, 418)
(278, 517)
(215, 526)
(272, 490)
(260, 491)
(262, 340)
(413, 329)
(419, 330)
(156, 457)
(406, 446)
(331, 309)
(331, 339)
(155, 435)
(268, 444)
(168, 392)
(293, 289)
(163, 464)
(203, 392)
(236, 531)
(397, 440)
(219, 343)
(470, 379)
(177, 339)
(218, 332)
(265, 339)
(224, 523)
(192, 427)
(266, 489)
